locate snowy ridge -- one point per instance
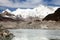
(43, 11)
(40, 11)
(6, 10)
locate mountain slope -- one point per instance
(55, 16)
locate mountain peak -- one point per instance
(6, 10)
(45, 10)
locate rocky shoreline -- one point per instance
(5, 34)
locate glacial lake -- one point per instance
(35, 34)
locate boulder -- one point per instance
(5, 34)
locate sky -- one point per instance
(11, 4)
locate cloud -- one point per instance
(27, 3)
(17, 3)
(52, 2)
(56, 2)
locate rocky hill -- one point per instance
(54, 17)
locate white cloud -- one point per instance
(56, 2)
(5, 3)
(53, 2)
(26, 4)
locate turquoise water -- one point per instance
(34, 34)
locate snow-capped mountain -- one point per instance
(43, 11)
(25, 12)
(6, 10)
(40, 11)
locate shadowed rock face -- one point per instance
(6, 19)
(54, 17)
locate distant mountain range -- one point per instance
(40, 11)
